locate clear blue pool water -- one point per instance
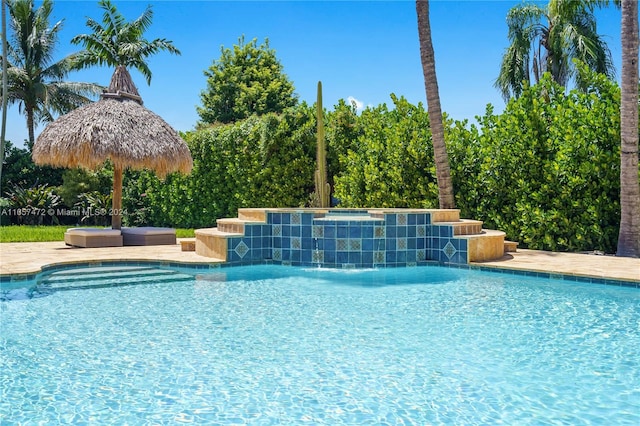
(281, 345)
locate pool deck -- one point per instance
(29, 258)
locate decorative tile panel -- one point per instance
(296, 243)
(449, 250)
(241, 249)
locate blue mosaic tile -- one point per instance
(330, 257)
(286, 255)
(412, 219)
(390, 219)
(307, 244)
(412, 231)
(367, 244)
(342, 231)
(401, 231)
(330, 231)
(446, 231)
(367, 258)
(355, 258)
(411, 244)
(355, 231)
(329, 244)
(307, 218)
(286, 218)
(276, 218)
(390, 244)
(390, 256)
(342, 257)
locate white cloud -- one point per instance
(358, 104)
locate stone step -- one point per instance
(465, 227)
(510, 246)
(211, 242)
(234, 225)
(444, 215)
(188, 244)
(485, 246)
(253, 215)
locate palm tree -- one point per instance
(34, 82)
(629, 236)
(118, 42)
(547, 39)
(443, 174)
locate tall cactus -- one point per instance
(322, 186)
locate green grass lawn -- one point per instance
(25, 234)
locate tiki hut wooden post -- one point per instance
(115, 128)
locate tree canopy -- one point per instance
(35, 81)
(548, 39)
(118, 42)
(247, 79)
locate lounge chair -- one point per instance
(148, 236)
(93, 237)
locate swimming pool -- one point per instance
(286, 345)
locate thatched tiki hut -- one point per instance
(115, 128)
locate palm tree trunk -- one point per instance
(629, 236)
(443, 174)
(116, 198)
(5, 95)
(30, 126)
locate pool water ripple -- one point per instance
(277, 345)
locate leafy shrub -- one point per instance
(33, 205)
(545, 171)
(391, 164)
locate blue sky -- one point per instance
(364, 50)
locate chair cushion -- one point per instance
(94, 232)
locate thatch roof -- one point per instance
(116, 128)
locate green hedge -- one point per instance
(546, 170)
(265, 161)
